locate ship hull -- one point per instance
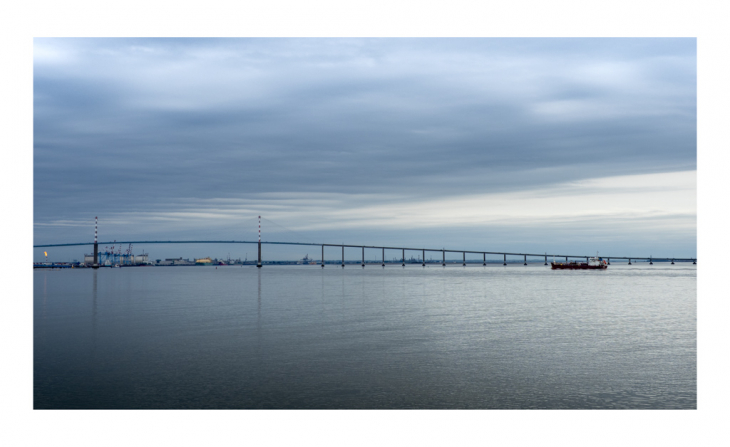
(558, 266)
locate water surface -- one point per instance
(305, 337)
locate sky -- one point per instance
(61, 218)
(525, 145)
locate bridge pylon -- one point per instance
(258, 264)
(96, 243)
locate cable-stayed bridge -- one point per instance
(403, 250)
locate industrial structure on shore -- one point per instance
(109, 258)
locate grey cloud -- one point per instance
(136, 124)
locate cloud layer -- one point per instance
(361, 133)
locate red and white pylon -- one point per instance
(258, 263)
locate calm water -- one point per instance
(414, 337)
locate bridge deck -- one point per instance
(443, 250)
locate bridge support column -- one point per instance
(525, 260)
(463, 258)
(505, 259)
(96, 245)
(258, 264)
(343, 256)
(484, 259)
(650, 261)
(629, 261)
(423, 257)
(383, 257)
(323, 256)
(545, 259)
(566, 259)
(608, 261)
(404, 257)
(443, 258)
(694, 262)
(672, 261)
(363, 256)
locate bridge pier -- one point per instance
(96, 244)
(464, 258)
(694, 262)
(629, 261)
(525, 260)
(343, 256)
(505, 259)
(672, 261)
(484, 259)
(383, 257)
(608, 261)
(423, 257)
(363, 257)
(566, 259)
(443, 258)
(258, 264)
(650, 261)
(545, 259)
(403, 256)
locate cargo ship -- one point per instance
(594, 263)
(306, 260)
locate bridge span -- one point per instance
(423, 251)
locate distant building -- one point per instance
(203, 261)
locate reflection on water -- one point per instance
(45, 293)
(94, 295)
(413, 337)
(258, 313)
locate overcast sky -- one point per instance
(567, 145)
